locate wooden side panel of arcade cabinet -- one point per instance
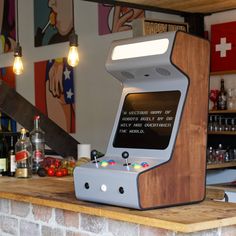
(182, 179)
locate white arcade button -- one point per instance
(103, 187)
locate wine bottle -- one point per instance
(38, 144)
(3, 155)
(11, 158)
(23, 150)
(222, 99)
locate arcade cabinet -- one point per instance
(156, 156)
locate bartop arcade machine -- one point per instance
(156, 156)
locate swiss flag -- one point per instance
(223, 47)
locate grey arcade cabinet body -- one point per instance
(156, 155)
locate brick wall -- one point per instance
(26, 219)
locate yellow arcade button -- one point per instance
(104, 163)
(136, 166)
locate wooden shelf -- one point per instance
(221, 165)
(222, 132)
(222, 111)
(228, 72)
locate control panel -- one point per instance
(111, 179)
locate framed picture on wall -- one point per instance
(54, 92)
(53, 21)
(7, 26)
(116, 18)
(144, 26)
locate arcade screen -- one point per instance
(147, 120)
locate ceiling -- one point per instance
(192, 6)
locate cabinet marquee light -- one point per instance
(141, 49)
(73, 55)
(18, 65)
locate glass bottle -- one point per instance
(222, 99)
(3, 155)
(38, 144)
(230, 100)
(11, 158)
(23, 151)
(220, 154)
(210, 158)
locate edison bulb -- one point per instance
(73, 56)
(18, 65)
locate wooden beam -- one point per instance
(22, 111)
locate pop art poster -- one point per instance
(53, 21)
(116, 18)
(54, 92)
(6, 123)
(7, 26)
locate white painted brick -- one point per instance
(41, 213)
(211, 232)
(93, 224)
(67, 218)
(9, 225)
(152, 231)
(71, 233)
(29, 228)
(20, 208)
(49, 231)
(228, 231)
(121, 228)
(4, 205)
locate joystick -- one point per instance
(94, 155)
(125, 155)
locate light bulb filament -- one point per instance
(18, 65)
(73, 56)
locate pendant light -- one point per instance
(18, 65)
(73, 55)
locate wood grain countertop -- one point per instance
(59, 193)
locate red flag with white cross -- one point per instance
(223, 47)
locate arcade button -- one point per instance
(86, 185)
(104, 163)
(136, 166)
(111, 162)
(103, 188)
(144, 164)
(121, 190)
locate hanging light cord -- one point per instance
(17, 27)
(17, 65)
(73, 38)
(73, 15)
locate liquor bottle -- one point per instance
(23, 151)
(3, 155)
(11, 158)
(38, 144)
(222, 99)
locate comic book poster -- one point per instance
(116, 18)
(54, 92)
(53, 21)
(7, 26)
(6, 123)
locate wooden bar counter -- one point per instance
(58, 193)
